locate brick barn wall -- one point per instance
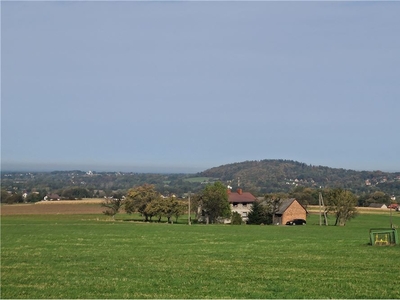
(294, 211)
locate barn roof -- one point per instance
(285, 204)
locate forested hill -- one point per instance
(267, 176)
(258, 177)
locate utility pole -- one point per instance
(189, 220)
(391, 223)
(322, 206)
(320, 212)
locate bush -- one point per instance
(236, 218)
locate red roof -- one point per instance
(244, 197)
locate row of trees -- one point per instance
(309, 196)
(18, 197)
(71, 193)
(147, 201)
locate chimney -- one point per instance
(229, 191)
(239, 191)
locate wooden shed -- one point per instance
(289, 210)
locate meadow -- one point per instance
(89, 256)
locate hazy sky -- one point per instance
(184, 86)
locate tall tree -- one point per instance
(258, 214)
(214, 202)
(138, 198)
(272, 203)
(343, 204)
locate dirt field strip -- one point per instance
(53, 207)
(92, 206)
(83, 201)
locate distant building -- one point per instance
(378, 205)
(241, 202)
(51, 197)
(289, 210)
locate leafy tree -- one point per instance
(170, 207)
(154, 208)
(138, 198)
(180, 209)
(305, 195)
(34, 197)
(112, 205)
(214, 202)
(343, 204)
(15, 198)
(236, 218)
(379, 197)
(76, 193)
(4, 196)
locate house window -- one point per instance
(244, 214)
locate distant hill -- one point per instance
(272, 175)
(258, 177)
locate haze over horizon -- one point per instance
(138, 168)
(181, 86)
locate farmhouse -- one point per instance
(288, 210)
(241, 202)
(378, 205)
(51, 197)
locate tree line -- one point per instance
(211, 205)
(147, 201)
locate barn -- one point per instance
(289, 210)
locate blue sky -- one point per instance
(185, 86)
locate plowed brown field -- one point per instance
(55, 207)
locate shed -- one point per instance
(288, 210)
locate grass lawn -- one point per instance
(88, 256)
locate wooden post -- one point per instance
(189, 221)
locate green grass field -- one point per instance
(88, 256)
(200, 179)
